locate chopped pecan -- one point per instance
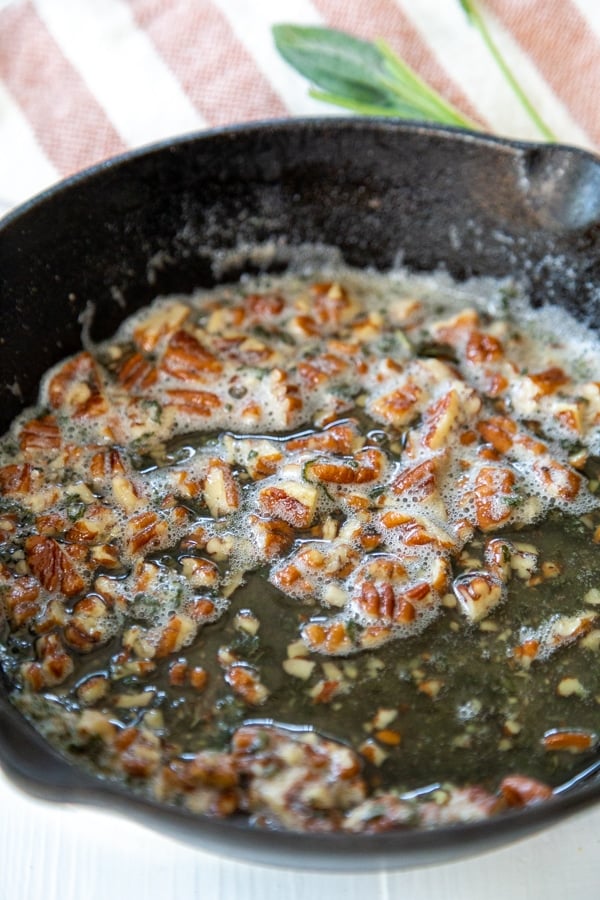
(17, 479)
(8, 526)
(40, 434)
(162, 321)
(22, 599)
(291, 501)
(499, 431)
(562, 739)
(304, 326)
(89, 624)
(273, 536)
(331, 304)
(366, 465)
(419, 481)
(457, 329)
(321, 369)
(417, 532)
(136, 373)
(179, 631)
(200, 572)
(439, 419)
(339, 439)
(200, 609)
(221, 491)
(387, 602)
(264, 306)
(330, 637)
(76, 388)
(186, 359)
(478, 593)
(493, 491)
(548, 381)
(106, 463)
(482, 347)
(194, 403)
(52, 566)
(51, 524)
(400, 406)
(286, 394)
(146, 531)
(558, 480)
(207, 783)
(520, 790)
(245, 682)
(54, 666)
(139, 752)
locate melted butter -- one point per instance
(226, 380)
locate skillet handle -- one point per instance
(562, 187)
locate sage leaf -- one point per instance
(365, 77)
(334, 61)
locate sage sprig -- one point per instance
(368, 78)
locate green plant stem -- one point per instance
(440, 108)
(479, 22)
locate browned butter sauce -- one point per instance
(319, 550)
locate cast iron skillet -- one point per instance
(164, 219)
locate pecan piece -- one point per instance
(53, 667)
(419, 481)
(160, 322)
(548, 381)
(290, 501)
(221, 491)
(499, 431)
(492, 492)
(17, 479)
(245, 682)
(478, 593)
(52, 566)
(482, 347)
(186, 359)
(89, 625)
(439, 419)
(136, 373)
(340, 439)
(320, 369)
(520, 790)
(386, 602)
(40, 434)
(194, 403)
(327, 637)
(145, 531)
(559, 481)
(22, 599)
(273, 536)
(365, 466)
(562, 739)
(179, 631)
(400, 406)
(106, 463)
(264, 305)
(76, 387)
(139, 752)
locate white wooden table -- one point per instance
(54, 852)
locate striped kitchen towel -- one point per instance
(82, 80)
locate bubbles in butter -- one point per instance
(423, 360)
